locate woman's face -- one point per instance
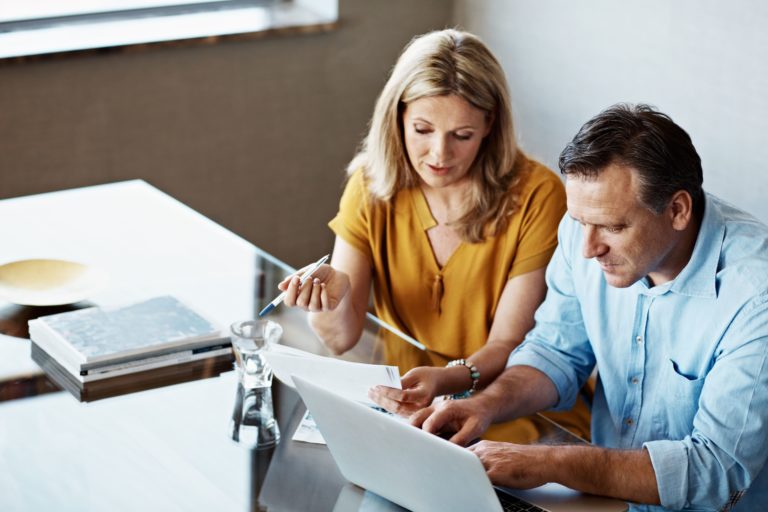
(442, 137)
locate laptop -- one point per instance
(420, 471)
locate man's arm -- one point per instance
(521, 391)
(623, 474)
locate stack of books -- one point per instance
(157, 338)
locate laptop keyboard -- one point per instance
(511, 503)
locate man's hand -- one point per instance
(468, 418)
(512, 465)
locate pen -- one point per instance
(272, 305)
(398, 332)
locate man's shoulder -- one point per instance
(744, 252)
(569, 229)
(744, 234)
(731, 213)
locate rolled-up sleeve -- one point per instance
(727, 448)
(670, 464)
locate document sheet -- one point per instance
(352, 380)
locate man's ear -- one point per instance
(680, 210)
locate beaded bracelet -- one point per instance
(474, 374)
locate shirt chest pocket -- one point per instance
(676, 401)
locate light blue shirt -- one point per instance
(683, 367)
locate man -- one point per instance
(664, 288)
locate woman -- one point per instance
(449, 221)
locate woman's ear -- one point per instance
(489, 119)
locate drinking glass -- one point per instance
(253, 423)
(250, 338)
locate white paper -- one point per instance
(290, 351)
(307, 431)
(351, 380)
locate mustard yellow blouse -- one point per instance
(448, 309)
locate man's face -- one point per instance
(627, 239)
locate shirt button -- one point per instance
(639, 339)
(629, 421)
(634, 380)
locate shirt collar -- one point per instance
(422, 208)
(698, 277)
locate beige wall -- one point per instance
(254, 134)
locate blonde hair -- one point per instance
(442, 63)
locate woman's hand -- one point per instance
(321, 292)
(420, 387)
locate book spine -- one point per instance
(93, 370)
(164, 351)
(41, 334)
(56, 372)
(151, 365)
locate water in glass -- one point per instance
(250, 338)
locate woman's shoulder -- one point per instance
(358, 193)
(356, 177)
(357, 184)
(535, 176)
